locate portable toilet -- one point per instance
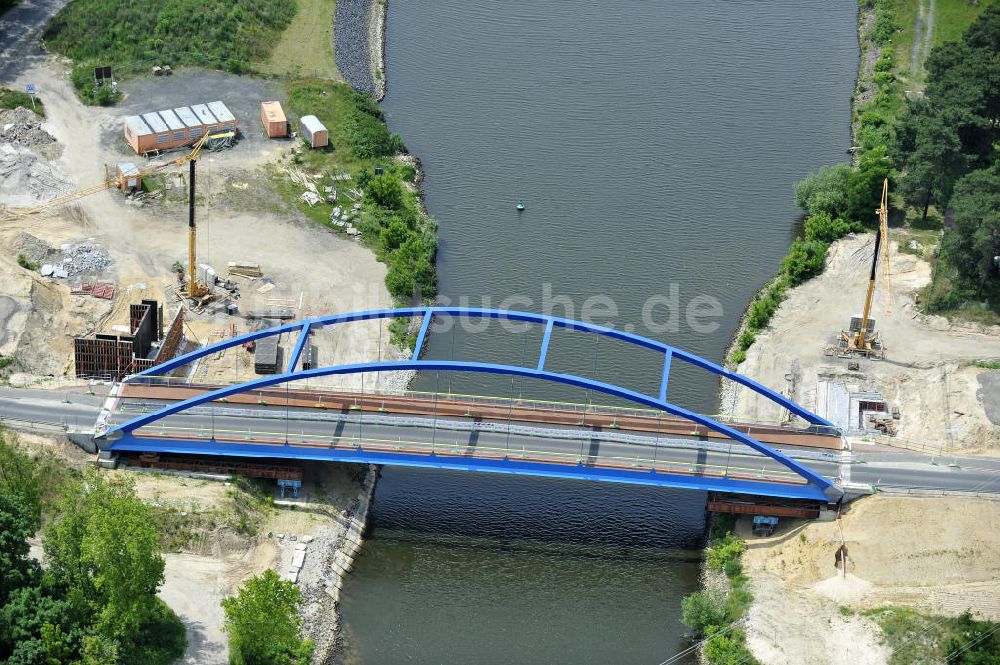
(273, 119)
(314, 131)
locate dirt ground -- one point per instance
(925, 372)
(240, 217)
(932, 554)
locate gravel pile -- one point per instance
(21, 126)
(351, 43)
(87, 258)
(34, 249)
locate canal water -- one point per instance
(655, 146)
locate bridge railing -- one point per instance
(554, 406)
(660, 461)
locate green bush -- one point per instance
(733, 568)
(10, 99)
(23, 261)
(825, 190)
(386, 191)
(805, 259)
(725, 550)
(411, 272)
(825, 229)
(885, 25)
(729, 649)
(366, 132)
(263, 623)
(703, 610)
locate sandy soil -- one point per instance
(928, 553)
(315, 271)
(925, 371)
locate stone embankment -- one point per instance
(322, 574)
(352, 47)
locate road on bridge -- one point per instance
(879, 466)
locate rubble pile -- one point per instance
(21, 126)
(86, 258)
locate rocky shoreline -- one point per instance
(332, 552)
(359, 44)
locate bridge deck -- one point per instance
(492, 409)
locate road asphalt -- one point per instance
(869, 465)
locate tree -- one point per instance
(263, 623)
(824, 190)
(19, 476)
(934, 165)
(17, 524)
(970, 247)
(864, 186)
(105, 548)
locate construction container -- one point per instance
(273, 119)
(266, 355)
(172, 128)
(128, 177)
(314, 131)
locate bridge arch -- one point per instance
(659, 401)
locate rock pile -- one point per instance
(351, 43)
(22, 127)
(86, 258)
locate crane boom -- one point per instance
(865, 341)
(111, 182)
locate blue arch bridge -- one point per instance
(654, 441)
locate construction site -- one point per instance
(127, 246)
(851, 345)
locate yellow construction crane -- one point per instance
(861, 338)
(110, 182)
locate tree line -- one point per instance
(939, 149)
(94, 601)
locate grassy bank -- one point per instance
(10, 99)
(391, 220)
(305, 48)
(133, 35)
(713, 614)
(921, 639)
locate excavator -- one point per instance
(862, 339)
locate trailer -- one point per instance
(314, 131)
(273, 118)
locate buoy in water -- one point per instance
(520, 204)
